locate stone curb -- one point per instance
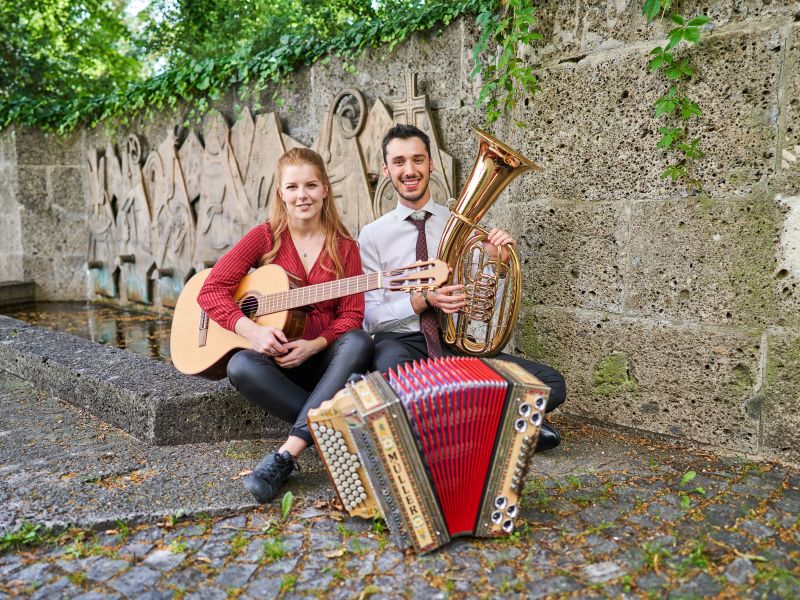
(147, 398)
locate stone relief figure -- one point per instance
(265, 150)
(173, 224)
(223, 212)
(339, 148)
(102, 251)
(135, 256)
(379, 121)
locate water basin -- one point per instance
(140, 332)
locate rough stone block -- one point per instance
(50, 233)
(573, 30)
(789, 139)
(145, 397)
(691, 382)
(11, 266)
(456, 133)
(10, 240)
(67, 189)
(572, 254)
(710, 260)
(438, 60)
(36, 147)
(32, 191)
(8, 147)
(58, 276)
(781, 397)
(294, 104)
(591, 124)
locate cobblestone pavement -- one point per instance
(606, 515)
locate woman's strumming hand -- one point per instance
(298, 351)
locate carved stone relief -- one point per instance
(338, 146)
(156, 218)
(102, 251)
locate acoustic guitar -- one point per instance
(269, 296)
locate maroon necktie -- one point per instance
(427, 318)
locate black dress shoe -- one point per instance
(549, 438)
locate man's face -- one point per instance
(409, 167)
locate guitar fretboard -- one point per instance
(311, 294)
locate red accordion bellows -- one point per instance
(454, 408)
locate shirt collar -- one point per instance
(403, 211)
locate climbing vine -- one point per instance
(506, 76)
(201, 81)
(680, 111)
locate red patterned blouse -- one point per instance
(328, 319)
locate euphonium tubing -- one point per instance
(484, 326)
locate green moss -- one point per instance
(783, 362)
(612, 375)
(528, 339)
(742, 382)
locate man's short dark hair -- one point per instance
(404, 132)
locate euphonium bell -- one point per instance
(492, 286)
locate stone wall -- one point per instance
(10, 243)
(671, 312)
(44, 227)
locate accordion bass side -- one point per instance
(438, 448)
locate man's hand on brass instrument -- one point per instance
(495, 239)
(449, 299)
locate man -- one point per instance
(403, 326)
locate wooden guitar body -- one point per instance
(269, 296)
(190, 355)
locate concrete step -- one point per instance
(147, 398)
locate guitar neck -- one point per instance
(311, 294)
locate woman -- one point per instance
(306, 237)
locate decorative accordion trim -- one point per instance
(439, 448)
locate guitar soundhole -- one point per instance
(249, 306)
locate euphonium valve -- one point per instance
(492, 285)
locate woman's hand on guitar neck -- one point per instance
(265, 339)
(299, 351)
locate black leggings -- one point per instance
(392, 349)
(290, 393)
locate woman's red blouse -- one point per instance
(328, 319)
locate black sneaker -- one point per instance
(269, 476)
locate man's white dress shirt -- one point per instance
(390, 242)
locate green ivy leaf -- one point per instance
(665, 106)
(651, 8)
(688, 476)
(698, 21)
(675, 36)
(658, 62)
(674, 172)
(692, 35)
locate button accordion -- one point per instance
(438, 448)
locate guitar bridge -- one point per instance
(202, 330)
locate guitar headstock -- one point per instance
(422, 275)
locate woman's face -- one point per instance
(302, 191)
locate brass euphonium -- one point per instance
(492, 286)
